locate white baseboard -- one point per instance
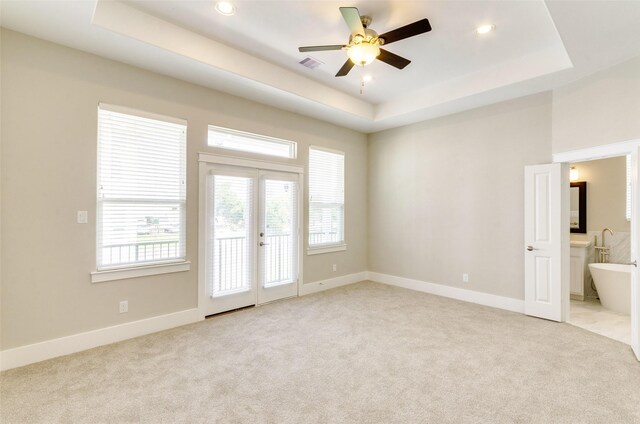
(500, 302)
(29, 354)
(333, 283)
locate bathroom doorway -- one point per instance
(600, 249)
(603, 293)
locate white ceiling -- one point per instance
(536, 46)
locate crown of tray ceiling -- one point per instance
(536, 46)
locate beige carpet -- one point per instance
(362, 353)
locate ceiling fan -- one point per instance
(364, 43)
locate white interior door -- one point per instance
(252, 238)
(546, 246)
(279, 235)
(635, 253)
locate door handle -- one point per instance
(530, 248)
(263, 244)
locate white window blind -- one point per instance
(326, 198)
(628, 188)
(141, 189)
(226, 138)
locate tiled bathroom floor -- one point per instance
(592, 316)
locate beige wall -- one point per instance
(601, 109)
(50, 96)
(446, 196)
(437, 198)
(606, 193)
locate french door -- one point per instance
(252, 237)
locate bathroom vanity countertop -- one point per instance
(580, 243)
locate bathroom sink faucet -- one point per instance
(603, 231)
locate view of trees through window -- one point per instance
(231, 203)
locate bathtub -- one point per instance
(613, 282)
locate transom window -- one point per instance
(226, 138)
(141, 188)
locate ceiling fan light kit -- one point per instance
(364, 53)
(364, 43)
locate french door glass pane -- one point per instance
(280, 252)
(232, 238)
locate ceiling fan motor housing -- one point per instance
(369, 36)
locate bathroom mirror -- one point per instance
(578, 209)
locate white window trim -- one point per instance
(326, 249)
(154, 268)
(248, 163)
(141, 271)
(142, 113)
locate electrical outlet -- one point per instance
(82, 217)
(124, 306)
(335, 267)
(465, 278)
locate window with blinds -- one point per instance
(141, 188)
(628, 188)
(226, 138)
(326, 198)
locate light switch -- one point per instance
(82, 217)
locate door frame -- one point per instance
(206, 159)
(605, 151)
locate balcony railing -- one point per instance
(230, 273)
(230, 258)
(278, 259)
(120, 254)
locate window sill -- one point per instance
(326, 249)
(126, 273)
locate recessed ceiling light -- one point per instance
(367, 78)
(225, 8)
(484, 29)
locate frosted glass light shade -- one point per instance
(363, 54)
(573, 174)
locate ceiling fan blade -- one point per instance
(345, 68)
(393, 59)
(320, 48)
(418, 27)
(352, 18)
